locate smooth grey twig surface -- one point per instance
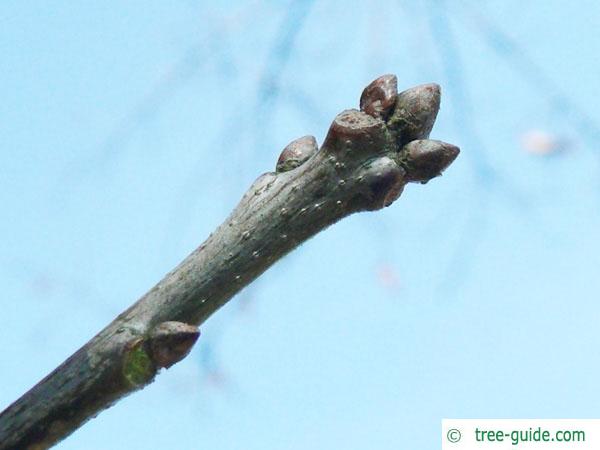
(366, 160)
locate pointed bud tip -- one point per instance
(427, 159)
(428, 92)
(452, 151)
(432, 88)
(415, 112)
(171, 341)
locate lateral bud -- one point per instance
(379, 97)
(297, 153)
(170, 342)
(426, 159)
(385, 180)
(415, 112)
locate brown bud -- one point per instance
(296, 153)
(426, 159)
(415, 112)
(385, 180)
(170, 342)
(379, 97)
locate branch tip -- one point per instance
(365, 161)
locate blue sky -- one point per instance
(129, 130)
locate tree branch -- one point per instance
(367, 158)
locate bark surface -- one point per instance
(364, 163)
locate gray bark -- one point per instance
(364, 163)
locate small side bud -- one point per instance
(427, 159)
(415, 112)
(170, 342)
(297, 153)
(379, 97)
(385, 180)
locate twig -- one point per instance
(366, 160)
